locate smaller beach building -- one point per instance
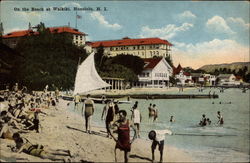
(155, 74)
(210, 80)
(184, 78)
(227, 79)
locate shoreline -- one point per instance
(62, 129)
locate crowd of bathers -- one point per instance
(206, 121)
(19, 114)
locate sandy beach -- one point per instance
(62, 129)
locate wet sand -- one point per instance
(62, 129)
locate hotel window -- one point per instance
(142, 47)
(116, 48)
(147, 74)
(134, 47)
(157, 52)
(111, 49)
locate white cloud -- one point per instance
(167, 32)
(238, 21)
(35, 17)
(22, 20)
(101, 19)
(218, 24)
(212, 52)
(186, 15)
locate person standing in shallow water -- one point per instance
(172, 119)
(220, 118)
(203, 121)
(89, 109)
(151, 113)
(155, 112)
(136, 117)
(122, 127)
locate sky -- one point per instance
(202, 32)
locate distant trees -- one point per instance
(242, 72)
(191, 70)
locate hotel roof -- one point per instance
(52, 30)
(129, 42)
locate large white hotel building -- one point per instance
(143, 47)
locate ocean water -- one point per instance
(214, 143)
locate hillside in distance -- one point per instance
(233, 66)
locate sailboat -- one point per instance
(87, 79)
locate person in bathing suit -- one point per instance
(122, 128)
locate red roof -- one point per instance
(187, 74)
(150, 63)
(177, 70)
(52, 30)
(238, 77)
(128, 41)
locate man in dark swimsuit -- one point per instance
(123, 130)
(88, 108)
(109, 111)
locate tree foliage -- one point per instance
(119, 71)
(169, 60)
(134, 63)
(48, 59)
(121, 66)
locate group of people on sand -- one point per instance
(118, 126)
(20, 112)
(206, 121)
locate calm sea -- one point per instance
(227, 143)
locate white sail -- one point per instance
(87, 78)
